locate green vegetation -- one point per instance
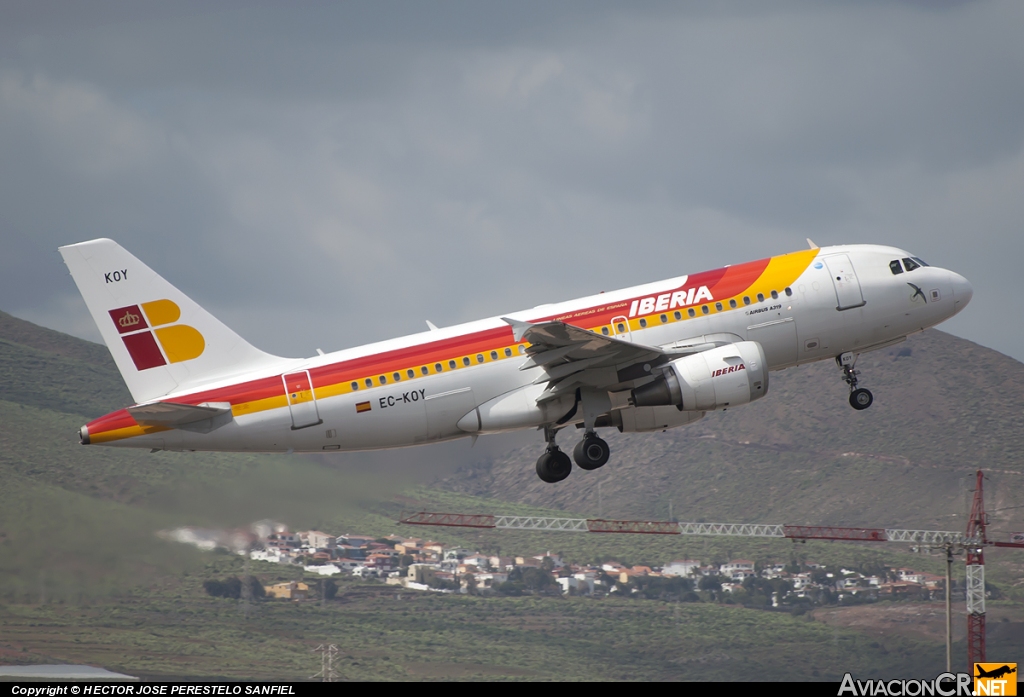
(173, 628)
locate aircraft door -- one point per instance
(844, 279)
(620, 325)
(298, 389)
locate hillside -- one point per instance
(944, 407)
(83, 577)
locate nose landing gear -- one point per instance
(860, 398)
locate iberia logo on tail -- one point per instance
(151, 336)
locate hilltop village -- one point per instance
(425, 565)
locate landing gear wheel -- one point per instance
(861, 399)
(553, 466)
(591, 452)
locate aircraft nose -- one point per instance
(963, 291)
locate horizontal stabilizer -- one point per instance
(172, 415)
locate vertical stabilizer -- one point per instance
(160, 339)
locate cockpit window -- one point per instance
(910, 264)
(919, 261)
(895, 267)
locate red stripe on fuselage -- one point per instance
(724, 282)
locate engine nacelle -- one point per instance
(718, 378)
(641, 419)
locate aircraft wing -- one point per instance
(571, 357)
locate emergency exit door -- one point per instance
(298, 388)
(844, 280)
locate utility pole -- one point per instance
(949, 606)
(327, 654)
(246, 587)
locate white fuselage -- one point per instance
(802, 326)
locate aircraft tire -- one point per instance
(553, 466)
(591, 453)
(861, 399)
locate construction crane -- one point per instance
(971, 542)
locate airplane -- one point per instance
(646, 358)
(995, 672)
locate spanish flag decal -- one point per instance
(362, 406)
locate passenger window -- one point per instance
(775, 295)
(604, 330)
(704, 309)
(479, 358)
(760, 297)
(451, 364)
(910, 264)
(411, 373)
(664, 319)
(691, 312)
(397, 377)
(438, 368)
(746, 299)
(643, 323)
(369, 382)
(508, 352)
(895, 267)
(383, 379)
(426, 371)
(732, 303)
(718, 306)
(494, 355)
(465, 360)
(620, 327)
(355, 386)
(522, 348)
(677, 314)
(789, 292)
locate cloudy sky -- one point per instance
(327, 174)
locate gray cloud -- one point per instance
(337, 175)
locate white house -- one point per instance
(323, 569)
(681, 567)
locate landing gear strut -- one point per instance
(860, 398)
(554, 465)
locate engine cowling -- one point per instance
(718, 378)
(641, 419)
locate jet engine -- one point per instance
(718, 378)
(641, 419)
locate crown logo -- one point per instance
(129, 320)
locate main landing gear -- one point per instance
(554, 465)
(860, 398)
(591, 452)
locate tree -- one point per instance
(330, 589)
(232, 588)
(537, 579)
(710, 583)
